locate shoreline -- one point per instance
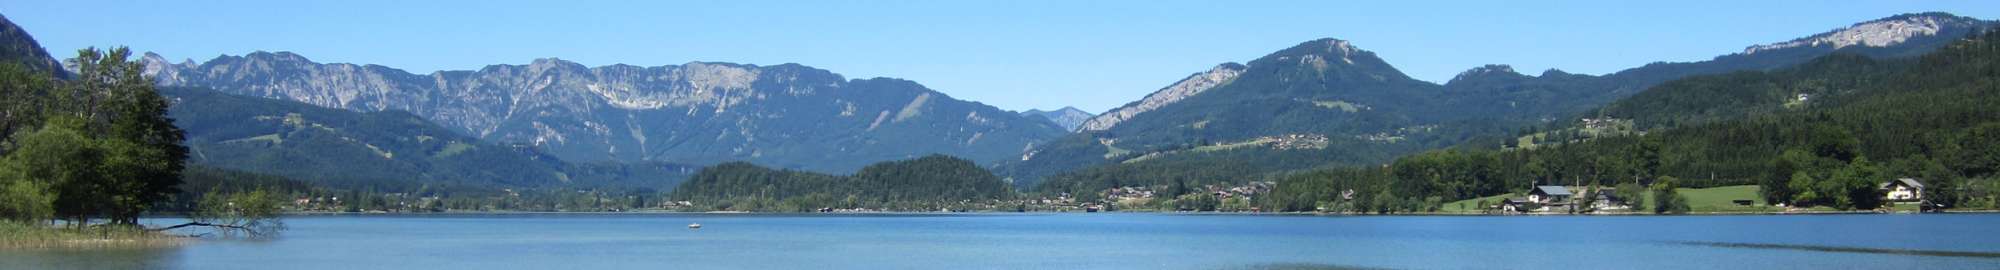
(753, 213)
(19, 236)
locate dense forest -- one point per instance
(1859, 123)
(923, 184)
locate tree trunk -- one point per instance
(205, 224)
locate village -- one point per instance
(1898, 194)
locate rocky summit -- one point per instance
(1067, 117)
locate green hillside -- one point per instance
(1930, 118)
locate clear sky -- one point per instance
(1016, 55)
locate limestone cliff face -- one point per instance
(1883, 32)
(1186, 87)
(787, 115)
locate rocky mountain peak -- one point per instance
(1067, 117)
(1493, 71)
(1319, 53)
(1186, 87)
(1881, 32)
(159, 67)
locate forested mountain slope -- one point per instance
(1866, 121)
(1329, 103)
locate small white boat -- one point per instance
(694, 225)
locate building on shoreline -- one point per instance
(1902, 190)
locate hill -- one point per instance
(1864, 121)
(921, 184)
(17, 47)
(1369, 113)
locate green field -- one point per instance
(454, 149)
(1472, 205)
(1722, 199)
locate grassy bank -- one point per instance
(1723, 199)
(1471, 206)
(16, 235)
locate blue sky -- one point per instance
(1016, 55)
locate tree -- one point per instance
(69, 164)
(253, 214)
(1777, 184)
(23, 95)
(1647, 153)
(1234, 204)
(1666, 199)
(1587, 200)
(1808, 192)
(1384, 202)
(105, 147)
(23, 200)
(1978, 150)
(146, 142)
(1833, 142)
(1857, 184)
(1633, 194)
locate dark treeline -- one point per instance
(1863, 122)
(1188, 165)
(927, 183)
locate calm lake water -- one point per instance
(1074, 241)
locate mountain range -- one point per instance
(787, 116)
(1348, 107)
(1323, 102)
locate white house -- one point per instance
(1903, 189)
(1549, 194)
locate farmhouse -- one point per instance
(1549, 195)
(1903, 189)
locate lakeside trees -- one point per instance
(926, 183)
(97, 146)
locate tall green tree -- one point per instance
(1667, 197)
(69, 163)
(105, 146)
(23, 95)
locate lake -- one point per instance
(1074, 241)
